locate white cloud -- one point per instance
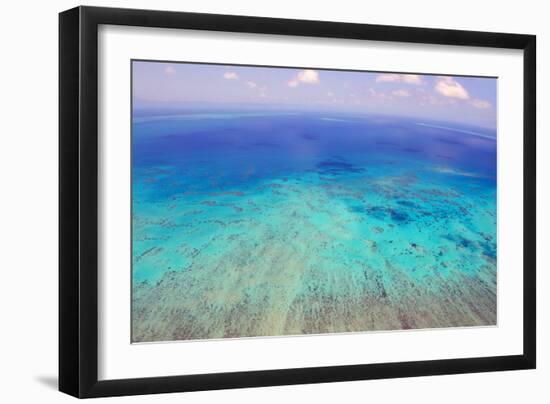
(259, 90)
(401, 93)
(382, 78)
(411, 79)
(230, 76)
(169, 70)
(481, 104)
(449, 87)
(399, 78)
(307, 76)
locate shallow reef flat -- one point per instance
(298, 258)
(346, 242)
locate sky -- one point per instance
(164, 85)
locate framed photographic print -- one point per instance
(251, 201)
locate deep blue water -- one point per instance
(220, 151)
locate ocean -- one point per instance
(272, 223)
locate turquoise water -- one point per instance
(267, 224)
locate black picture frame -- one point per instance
(78, 201)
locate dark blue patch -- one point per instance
(489, 249)
(408, 204)
(309, 137)
(336, 167)
(460, 241)
(376, 212)
(448, 141)
(398, 216)
(382, 213)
